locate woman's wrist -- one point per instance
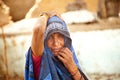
(74, 70)
(75, 73)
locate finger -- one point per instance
(54, 13)
(66, 51)
(61, 58)
(43, 14)
(68, 54)
(62, 54)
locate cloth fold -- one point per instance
(51, 67)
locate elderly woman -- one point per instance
(51, 55)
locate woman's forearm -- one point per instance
(78, 76)
(75, 72)
(37, 45)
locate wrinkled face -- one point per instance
(55, 42)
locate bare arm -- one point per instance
(37, 44)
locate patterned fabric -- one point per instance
(51, 67)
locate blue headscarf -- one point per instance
(51, 67)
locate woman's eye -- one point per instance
(50, 38)
(61, 36)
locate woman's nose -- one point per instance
(56, 42)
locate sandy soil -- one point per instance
(104, 77)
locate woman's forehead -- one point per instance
(56, 33)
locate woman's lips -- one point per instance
(56, 49)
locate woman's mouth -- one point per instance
(55, 51)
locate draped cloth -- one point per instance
(51, 67)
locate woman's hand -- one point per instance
(51, 13)
(54, 13)
(65, 55)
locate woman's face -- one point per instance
(55, 42)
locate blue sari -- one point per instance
(51, 67)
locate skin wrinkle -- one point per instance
(55, 42)
(57, 38)
(57, 47)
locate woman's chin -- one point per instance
(55, 53)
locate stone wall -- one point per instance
(18, 40)
(97, 51)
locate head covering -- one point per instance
(51, 67)
(55, 24)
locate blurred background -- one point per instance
(94, 27)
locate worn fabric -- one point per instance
(36, 65)
(51, 67)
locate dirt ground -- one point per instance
(104, 76)
(98, 25)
